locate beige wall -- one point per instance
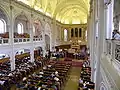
(69, 27)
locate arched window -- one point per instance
(86, 35)
(119, 26)
(80, 32)
(33, 30)
(20, 28)
(2, 26)
(76, 32)
(65, 34)
(72, 32)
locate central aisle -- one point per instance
(72, 83)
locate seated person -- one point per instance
(56, 78)
(56, 73)
(44, 67)
(24, 80)
(116, 35)
(41, 72)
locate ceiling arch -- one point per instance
(62, 10)
(72, 3)
(71, 7)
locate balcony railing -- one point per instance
(109, 46)
(18, 40)
(113, 49)
(4, 41)
(21, 40)
(64, 42)
(37, 39)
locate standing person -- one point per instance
(49, 54)
(57, 55)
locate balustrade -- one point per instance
(113, 49)
(21, 40)
(37, 39)
(18, 40)
(4, 41)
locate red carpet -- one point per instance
(76, 64)
(67, 59)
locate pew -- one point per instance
(46, 80)
(85, 77)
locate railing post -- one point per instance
(113, 50)
(2, 41)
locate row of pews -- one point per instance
(24, 67)
(5, 67)
(52, 77)
(85, 82)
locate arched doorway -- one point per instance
(38, 51)
(48, 37)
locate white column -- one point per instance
(105, 27)
(32, 54)
(93, 39)
(91, 44)
(110, 15)
(43, 45)
(31, 39)
(88, 32)
(93, 35)
(52, 37)
(101, 38)
(12, 60)
(11, 34)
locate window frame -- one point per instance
(4, 25)
(65, 34)
(22, 28)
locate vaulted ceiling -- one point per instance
(65, 11)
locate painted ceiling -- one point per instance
(65, 11)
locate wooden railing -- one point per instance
(3, 60)
(22, 55)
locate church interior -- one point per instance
(59, 44)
